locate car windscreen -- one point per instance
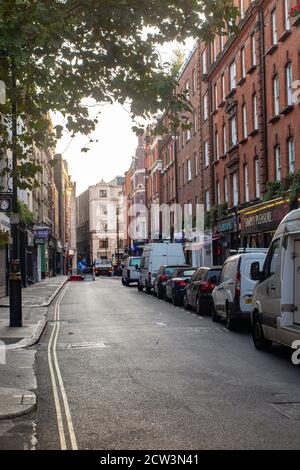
(135, 262)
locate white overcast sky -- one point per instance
(111, 155)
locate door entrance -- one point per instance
(297, 283)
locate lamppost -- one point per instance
(118, 241)
(15, 291)
(106, 240)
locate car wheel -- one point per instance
(230, 323)
(160, 294)
(214, 316)
(140, 287)
(198, 306)
(148, 290)
(127, 283)
(175, 299)
(258, 336)
(185, 303)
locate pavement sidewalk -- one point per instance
(35, 300)
(17, 375)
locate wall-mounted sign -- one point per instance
(226, 225)
(40, 241)
(264, 219)
(41, 233)
(5, 202)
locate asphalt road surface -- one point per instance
(118, 369)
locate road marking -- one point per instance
(52, 349)
(59, 420)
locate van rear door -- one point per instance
(297, 282)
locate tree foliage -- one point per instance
(63, 51)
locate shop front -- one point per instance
(259, 223)
(41, 234)
(225, 238)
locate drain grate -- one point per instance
(209, 329)
(290, 410)
(80, 346)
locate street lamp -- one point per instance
(118, 241)
(15, 291)
(106, 240)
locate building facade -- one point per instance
(66, 246)
(100, 221)
(134, 202)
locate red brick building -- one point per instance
(242, 154)
(153, 165)
(254, 130)
(135, 200)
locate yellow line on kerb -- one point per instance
(60, 385)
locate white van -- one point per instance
(154, 256)
(232, 297)
(276, 303)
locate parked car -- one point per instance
(154, 256)
(275, 313)
(232, 297)
(131, 270)
(198, 291)
(175, 286)
(103, 267)
(163, 275)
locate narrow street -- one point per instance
(138, 373)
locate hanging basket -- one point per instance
(295, 11)
(4, 238)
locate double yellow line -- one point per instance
(57, 383)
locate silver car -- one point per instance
(131, 270)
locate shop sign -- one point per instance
(264, 219)
(40, 241)
(42, 233)
(228, 225)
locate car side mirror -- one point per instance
(255, 271)
(137, 267)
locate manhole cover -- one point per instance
(290, 410)
(81, 346)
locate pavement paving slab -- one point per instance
(16, 402)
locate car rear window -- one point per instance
(185, 273)
(213, 273)
(135, 261)
(169, 271)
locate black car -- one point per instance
(198, 291)
(164, 273)
(175, 287)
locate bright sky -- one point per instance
(111, 155)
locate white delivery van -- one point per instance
(232, 297)
(154, 256)
(276, 303)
